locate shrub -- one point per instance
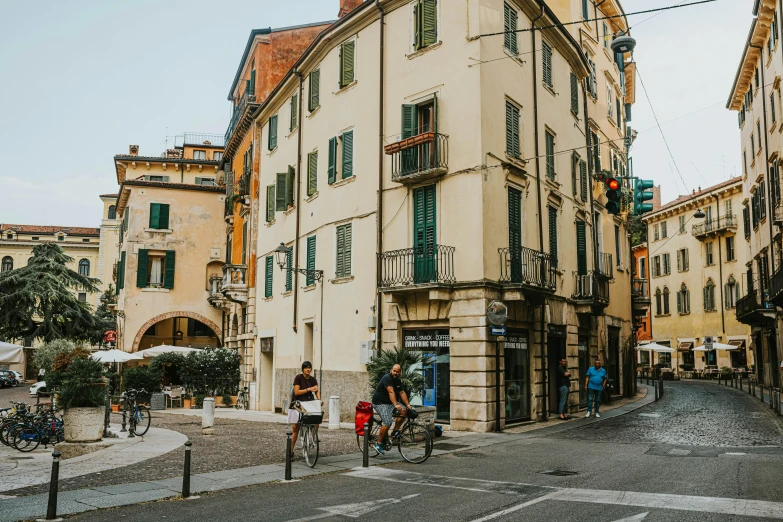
(686, 367)
(62, 361)
(43, 357)
(82, 384)
(212, 372)
(170, 366)
(142, 377)
(410, 361)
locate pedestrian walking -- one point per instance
(595, 382)
(563, 386)
(41, 373)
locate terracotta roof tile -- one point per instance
(39, 229)
(695, 195)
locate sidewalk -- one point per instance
(79, 501)
(245, 415)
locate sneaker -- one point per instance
(379, 449)
(588, 414)
(598, 415)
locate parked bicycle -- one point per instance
(243, 400)
(138, 415)
(25, 431)
(413, 440)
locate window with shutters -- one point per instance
(618, 246)
(121, 272)
(596, 145)
(755, 207)
(159, 216)
(664, 233)
(730, 256)
(549, 139)
(656, 232)
(758, 133)
(619, 109)
(574, 174)
(347, 154)
(682, 224)
(84, 267)
(752, 150)
(270, 203)
(731, 293)
(314, 90)
(745, 161)
(583, 179)
(294, 120)
(513, 145)
(709, 296)
(553, 235)
(155, 269)
(217, 156)
(244, 243)
(667, 267)
(762, 201)
(683, 300)
(574, 94)
(112, 213)
(199, 154)
(509, 29)
(581, 248)
(546, 59)
(515, 233)
(585, 11)
(347, 63)
(772, 106)
(289, 258)
(642, 268)
(658, 300)
(312, 173)
(310, 278)
(666, 309)
(268, 265)
(343, 258)
(332, 167)
(284, 197)
(682, 260)
(425, 23)
(272, 132)
(592, 80)
(708, 254)
(8, 264)
(609, 102)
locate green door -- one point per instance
(425, 262)
(515, 233)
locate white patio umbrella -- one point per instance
(165, 348)
(715, 346)
(115, 356)
(655, 347)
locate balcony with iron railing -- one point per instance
(714, 226)
(605, 267)
(420, 157)
(535, 272)
(640, 295)
(234, 283)
(417, 267)
(778, 214)
(589, 289)
(247, 99)
(216, 299)
(196, 139)
(776, 286)
(755, 309)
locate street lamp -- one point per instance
(699, 214)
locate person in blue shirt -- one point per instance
(595, 382)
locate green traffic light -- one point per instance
(640, 195)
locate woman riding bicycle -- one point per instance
(305, 390)
(385, 400)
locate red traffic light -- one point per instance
(612, 184)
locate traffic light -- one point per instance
(641, 194)
(613, 196)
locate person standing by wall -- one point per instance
(563, 386)
(595, 382)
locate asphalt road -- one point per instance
(667, 461)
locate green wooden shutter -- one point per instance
(515, 233)
(141, 270)
(583, 178)
(338, 262)
(546, 52)
(289, 257)
(289, 186)
(429, 22)
(410, 121)
(347, 62)
(121, 272)
(348, 233)
(280, 205)
(273, 132)
(550, 155)
(575, 94)
(164, 217)
(168, 278)
(424, 234)
(512, 130)
(270, 203)
(268, 277)
(155, 215)
(312, 173)
(294, 111)
(244, 243)
(315, 88)
(679, 302)
(309, 280)
(553, 235)
(574, 169)
(253, 81)
(332, 169)
(581, 247)
(509, 28)
(348, 154)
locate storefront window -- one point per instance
(712, 358)
(517, 372)
(437, 376)
(644, 358)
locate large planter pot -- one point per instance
(186, 403)
(219, 400)
(83, 424)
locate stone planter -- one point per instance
(83, 424)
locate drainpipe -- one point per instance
(379, 231)
(544, 412)
(298, 195)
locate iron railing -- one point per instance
(778, 214)
(193, 138)
(239, 109)
(640, 289)
(524, 265)
(420, 156)
(244, 184)
(776, 286)
(715, 225)
(754, 301)
(605, 267)
(416, 266)
(588, 286)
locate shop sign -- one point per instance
(557, 330)
(515, 340)
(426, 338)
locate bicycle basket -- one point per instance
(311, 418)
(412, 414)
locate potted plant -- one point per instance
(82, 394)
(227, 402)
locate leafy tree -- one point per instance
(44, 356)
(638, 230)
(410, 361)
(170, 366)
(142, 377)
(38, 300)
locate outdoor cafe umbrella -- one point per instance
(114, 356)
(655, 347)
(165, 348)
(10, 353)
(715, 346)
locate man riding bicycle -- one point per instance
(388, 396)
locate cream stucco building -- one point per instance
(697, 268)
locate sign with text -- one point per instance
(426, 338)
(110, 336)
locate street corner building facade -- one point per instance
(418, 161)
(171, 243)
(697, 268)
(756, 96)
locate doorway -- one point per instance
(517, 375)
(613, 356)
(759, 357)
(308, 344)
(266, 374)
(556, 350)
(774, 366)
(425, 255)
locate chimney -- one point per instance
(346, 6)
(134, 150)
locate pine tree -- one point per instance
(39, 300)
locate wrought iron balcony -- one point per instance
(216, 299)
(778, 214)
(192, 138)
(715, 226)
(234, 283)
(591, 289)
(419, 157)
(530, 268)
(640, 294)
(755, 309)
(406, 268)
(247, 99)
(776, 287)
(605, 267)
(244, 183)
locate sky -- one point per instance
(81, 80)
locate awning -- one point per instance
(164, 348)
(658, 348)
(738, 344)
(685, 347)
(10, 353)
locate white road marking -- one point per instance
(652, 415)
(717, 505)
(514, 508)
(635, 518)
(356, 509)
(735, 453)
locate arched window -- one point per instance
(665, 300)
(657, 301)
(112, 212)
(8, 264)
(84, 267)
(684, 300)
(709, 296)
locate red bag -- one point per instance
(363, 414)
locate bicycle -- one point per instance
(414, 441)
(139, 416)
(308, 433)
(243, 401)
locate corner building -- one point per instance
(429, 168)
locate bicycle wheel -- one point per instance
(238, 405)
(310, 445)
(376, 427)
(26, 439)
(415, 443)
(246, 402)
(142, 420)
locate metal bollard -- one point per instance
(51, 508)
(186, 473)
(288, 453)
(366, 446)
(656, 391)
